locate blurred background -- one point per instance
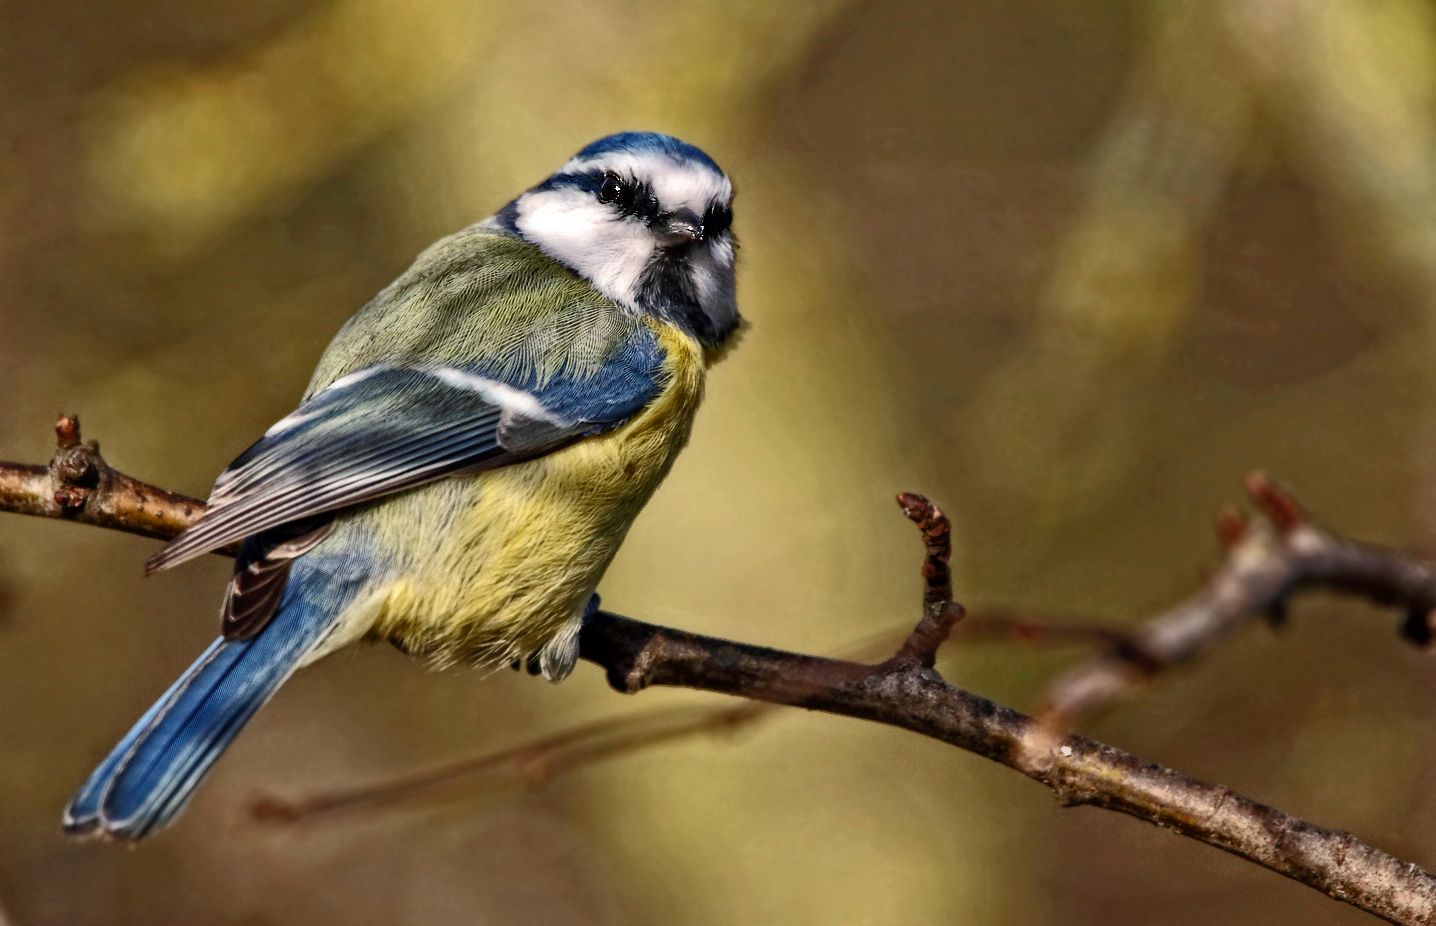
(1070, 268)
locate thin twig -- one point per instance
(1268, 561)
(535, 762)
(939, 611)
(78, 485)
(906, 694)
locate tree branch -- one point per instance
(1267, 563)
(78, 485)
(540, 760)
(906, 692)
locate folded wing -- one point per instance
(370, 434)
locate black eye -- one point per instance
(717, 220)
(611, 189)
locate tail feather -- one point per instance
(82, 816)
(147, 779)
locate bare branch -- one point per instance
(78, 485)
(538, 761)
(1080, 771)
(906, 692)
(1268, 561)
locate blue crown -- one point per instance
(646, 142)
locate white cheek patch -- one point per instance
(722, 251)
(577, 230)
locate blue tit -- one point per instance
(469, 455)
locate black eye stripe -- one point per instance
(633, 198)
(629, 196)
(717, 219)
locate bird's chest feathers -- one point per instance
(520, 549)
(632, 459)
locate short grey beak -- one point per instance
(679, 228)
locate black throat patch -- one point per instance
(668, 291)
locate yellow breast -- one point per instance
(508, 556)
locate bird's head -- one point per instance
(648, 220)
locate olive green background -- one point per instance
(1071, 268)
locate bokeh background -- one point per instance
(1070, 268)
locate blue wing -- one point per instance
(386, 429)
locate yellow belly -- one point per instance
(504, 559)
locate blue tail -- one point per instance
(151, 774)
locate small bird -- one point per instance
(470, 453)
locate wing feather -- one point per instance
(378, 434)
(261, 573)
